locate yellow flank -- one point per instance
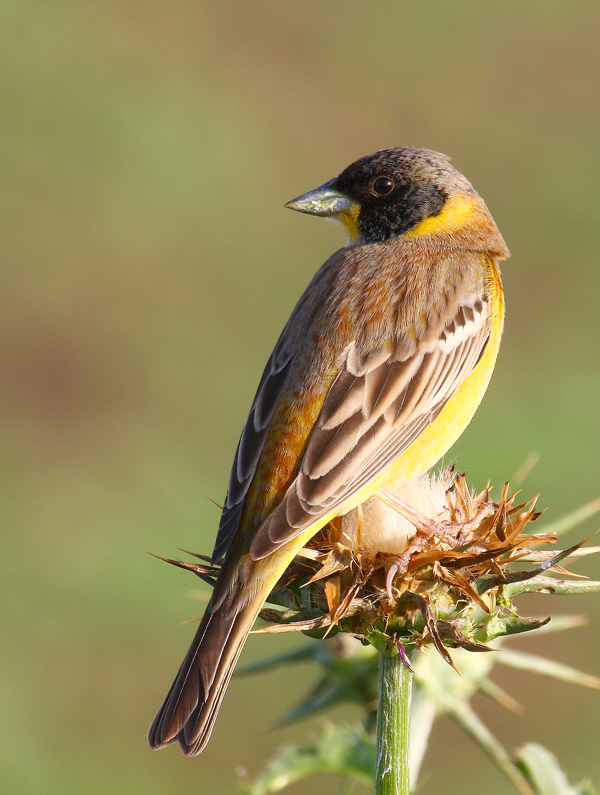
(349, 220)
(457, 211)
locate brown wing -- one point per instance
(249, 448)
(377, 406)
(255, 431)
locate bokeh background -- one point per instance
(148, 265)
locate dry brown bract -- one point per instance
(445, 588)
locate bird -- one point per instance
(379, 369)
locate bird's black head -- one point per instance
(386, 194)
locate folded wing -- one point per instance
(377, 406)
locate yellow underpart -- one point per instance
(457, 211)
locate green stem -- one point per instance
(393, 722)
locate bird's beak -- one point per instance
(325, 200)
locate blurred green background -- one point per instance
(146, 151)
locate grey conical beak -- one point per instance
(325, 200)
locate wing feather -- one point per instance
(345, 398)
(376, 408)
(249, 449)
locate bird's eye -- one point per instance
(382, 186)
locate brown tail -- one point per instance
(190, 709)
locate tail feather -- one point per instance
(191, 706)
(199, 728)
(189, 711)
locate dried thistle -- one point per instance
(431, 563)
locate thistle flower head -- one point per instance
(428, 563)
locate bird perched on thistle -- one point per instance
(379, 369)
